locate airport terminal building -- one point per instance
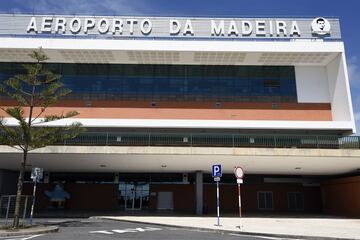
(165, 98)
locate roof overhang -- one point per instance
(296, 52)
(185, 159)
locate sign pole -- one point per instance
(217, 203)
(33, 204)
(36, 175)
(239, 174)
(239, 204)
(216, 174)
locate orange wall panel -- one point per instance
(229, 197)
(342, 196)
(184, 197)
(291, 114)
(82, 196)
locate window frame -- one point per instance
(288, 201)
(272, 200)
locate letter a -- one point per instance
(32, 25)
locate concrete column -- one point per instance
(185, 178)
(117, 178)
(47, 177)
(199, 192)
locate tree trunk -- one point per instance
(22, 168)
(19, 191)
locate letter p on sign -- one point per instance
(216, 171)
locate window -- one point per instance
(272, 86)
(295, 201)
(145, 82)
(265, 200)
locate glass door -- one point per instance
(134, 195)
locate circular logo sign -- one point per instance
(320, 26)
(239, 172)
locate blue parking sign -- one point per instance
(216, 170)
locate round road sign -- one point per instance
(239, 172)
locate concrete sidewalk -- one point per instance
(34, 230)
(309, 227)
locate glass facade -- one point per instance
(173, 82)
(133, 195)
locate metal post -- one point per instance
(33, 203)
(239, 204)
(239, 174)
(133, 198)
(275, 142)
(140, 196)
(317, 141)
(217, 204)
(25, 207)
(126, 198)
(7, 210)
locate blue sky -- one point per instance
(346, 10)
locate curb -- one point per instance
(23, 232)
(258, 234)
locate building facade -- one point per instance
(163, 99)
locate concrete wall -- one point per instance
(342, 196)
(339, 90)
(328, 84)
(312, 85)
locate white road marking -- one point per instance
(150, 229)
(264, 237)
(103, 232)
(24, 237)
(127, 230)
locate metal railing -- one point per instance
(7, 208)
(213, 140)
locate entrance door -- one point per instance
(134, 195)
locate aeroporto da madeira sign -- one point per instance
(170, 27)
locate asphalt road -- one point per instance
(89, 229)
